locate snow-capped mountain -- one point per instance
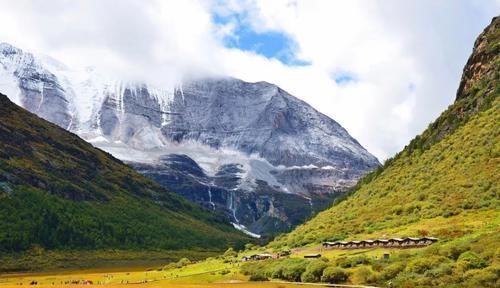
(251, 150)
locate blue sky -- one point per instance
(270, 44)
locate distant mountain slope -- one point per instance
(264, 158)
(445, 183)
(59, 192)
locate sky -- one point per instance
(383, 69)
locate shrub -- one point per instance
(440, 271)
(293, 270)
(422, 264)
(333, 274)
(314, 270)
(391, 271)
(410, 280)
(258, 277)
(455, 250)
(470, 260)
(364, 275)
(482, 278)
(352, 261)
(277, 272)
(183, 262)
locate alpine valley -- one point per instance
(251, 151)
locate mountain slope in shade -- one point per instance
(445, 184)
(265, 158)
(59, 192)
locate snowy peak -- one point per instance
(264, 119)
(222, 113)
(7, 49)
(33, 86)
(265, 158)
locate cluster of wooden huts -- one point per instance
(261, 256)
(264, 256)
(387, 243)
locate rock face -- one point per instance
(250, 150)
(40, 90)
(480, 61)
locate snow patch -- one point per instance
(98, 139)
(244, 229)
(9, 85)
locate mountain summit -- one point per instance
(252, 150)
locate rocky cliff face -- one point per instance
(480, 61)
(250, 150)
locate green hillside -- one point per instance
(445, 184)
(59, 192)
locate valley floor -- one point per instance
(209, 273)
(141, 279)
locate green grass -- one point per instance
(59, 261)
(458, 175)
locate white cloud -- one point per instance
(406, 56)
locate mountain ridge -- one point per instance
(272, 141)
(59, 192)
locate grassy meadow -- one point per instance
(214, 272)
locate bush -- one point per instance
(470, 260)
(391, 271)
(443, 270)
(333, 274)
(183, 262)
(289, 269)
(482, 278)
(352, 261)
(455, 250)
(258, 277)
(293, 270)
(253, 268)
(276, 271)
(422, 264)
(314, 270)
(405, 279)
(364, 275)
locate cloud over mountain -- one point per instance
(381, 68)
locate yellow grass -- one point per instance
(215, 285)
(203, 274)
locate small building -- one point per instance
(367, 243)
(355, 244)
(342, 244)
(410, 241)
(254, 257)
(429, 240)
(284, 253)
(395, 242)
(262, 256)
(312, 256)
(387, 243)
(328, 244)
(381, 242)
